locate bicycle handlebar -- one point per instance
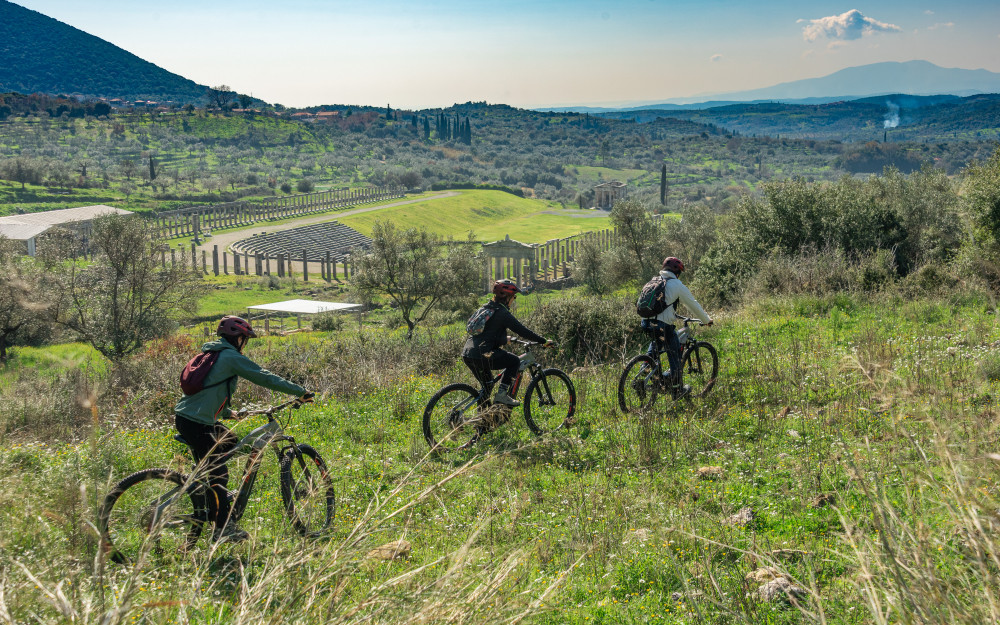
(270, 410)
(690, 319)
(514, 339)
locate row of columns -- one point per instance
(244, 263)
(192, 221)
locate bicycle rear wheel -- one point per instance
(639, 384)
(451, 417)
(549, 402)
(307, 490)
(152, 511)
(701, 368)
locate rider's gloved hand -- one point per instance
(549, 343)
(308, 398)
(709, 322)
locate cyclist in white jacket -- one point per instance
(675, 293)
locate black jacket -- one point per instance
(494, 335)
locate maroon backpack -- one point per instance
(194, 374)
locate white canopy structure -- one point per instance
(303, 307)
(28, 226)
(297, 307)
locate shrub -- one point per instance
(305, 186)
(590, 329)
(328, 322)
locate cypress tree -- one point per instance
(663, 185)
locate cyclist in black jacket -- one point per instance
(482, 353)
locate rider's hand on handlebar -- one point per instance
(549, 343)
(308, 398)
(709, 322)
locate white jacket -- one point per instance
(675, 291)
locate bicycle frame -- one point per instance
(654, 350)
(252, 445)
(527, 363)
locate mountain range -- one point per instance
(919, 78)
(39, 54)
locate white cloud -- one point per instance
(928, 12)
(941, 25)
(846, 27)
(715, 58)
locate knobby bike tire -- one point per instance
(549, 402)
(307, 490)
(701, 368)
(445, 429)
(130, 520)
(639, 384)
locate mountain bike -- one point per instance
(165, 511)
(459, 414)
(643, 380)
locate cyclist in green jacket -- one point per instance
(197, 416)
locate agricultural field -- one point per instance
(848, 448)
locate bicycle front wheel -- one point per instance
(701, 368)
(450, 418)
(549, 402)
(153, 511)
(307, 490)
(639, 384)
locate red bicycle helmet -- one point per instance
(232, 325)
(673, 265)
(505, 288)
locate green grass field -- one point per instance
(858, 433)
(492, 215)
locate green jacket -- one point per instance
(212, 402)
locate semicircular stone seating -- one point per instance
(316, 240)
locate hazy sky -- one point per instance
(431, 53)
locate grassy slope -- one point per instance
(490, 214)
(814, 398)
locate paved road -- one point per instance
(226, 238)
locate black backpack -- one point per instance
(653, 298)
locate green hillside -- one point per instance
(40, 54)
(491, 215)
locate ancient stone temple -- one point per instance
(607, 193)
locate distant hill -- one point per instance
(905, 117)
(40, 54)
(920, 78)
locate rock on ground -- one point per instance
(742, 518)
(780, 589)
(710, 473)
(390, 551)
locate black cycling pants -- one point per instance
(483, 368)
(665, 340)
(207, 443)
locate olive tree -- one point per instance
(636, 254)
(22, 307)
(416, 270)
(124, 297)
